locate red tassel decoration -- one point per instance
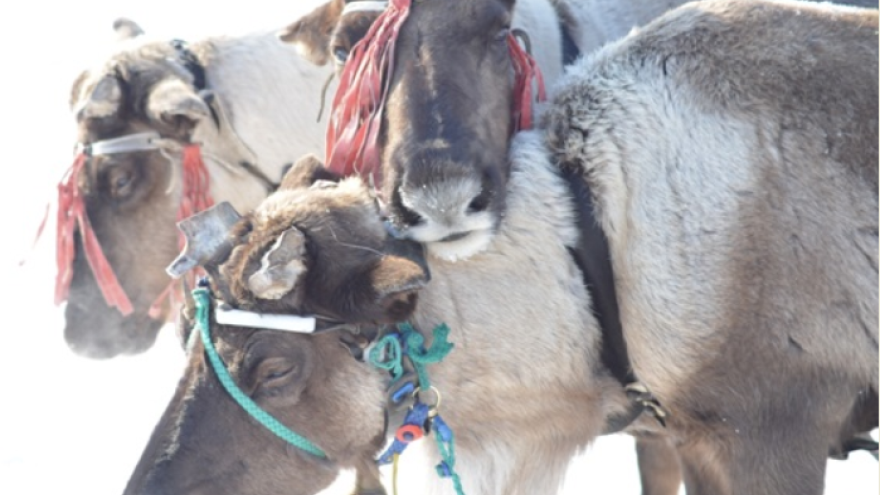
(527, 72)
(72, 213)
(360, 99)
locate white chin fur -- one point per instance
(460, 249)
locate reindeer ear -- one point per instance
(281, 267)
(104, 99)
(126, 29)
(396, 281)
(310, 35)
(175, 105)
(305, 172)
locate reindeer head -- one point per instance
(313, 247)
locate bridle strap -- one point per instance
(72, 214)
(140, 141)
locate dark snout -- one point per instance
(99, 332)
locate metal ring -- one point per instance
(436, 393)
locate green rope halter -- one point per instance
(202, 297)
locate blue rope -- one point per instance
(388, 354)
(417, 416)
(203, 302)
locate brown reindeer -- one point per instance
(522, 403)
(429, 192)
(735, 176)
(247, 101)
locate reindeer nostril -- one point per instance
(402, 215)
(409, 217)
(480, 202)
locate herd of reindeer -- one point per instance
(499, 227)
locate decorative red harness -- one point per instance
(72, 214)
(358, 105)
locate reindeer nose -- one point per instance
(399, 218)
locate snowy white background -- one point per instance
(74, 426)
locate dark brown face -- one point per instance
(131, 198)
(447, 124)
(322, 250)
(205, 442)
(304, 250)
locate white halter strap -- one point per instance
(139, 141)
(365, 6)
(288, 323)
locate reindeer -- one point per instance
(324, 250)
(735, 180)
(249, 104)
(439, 196)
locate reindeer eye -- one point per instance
(501, 35)
(340, 54)
(275, 372)
(120, 181)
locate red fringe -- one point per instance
(359, 102)
(196, 197)
(72, 213)
(360, 98)
(527, 72)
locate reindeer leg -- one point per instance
(368, 480)
(659, 466)
(767, 460)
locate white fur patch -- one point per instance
(473, 243)
(443, 208)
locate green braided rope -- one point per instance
(203, 303)
(447, 453)
(387, 355)
(419, 356)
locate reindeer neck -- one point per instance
(266, 98)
